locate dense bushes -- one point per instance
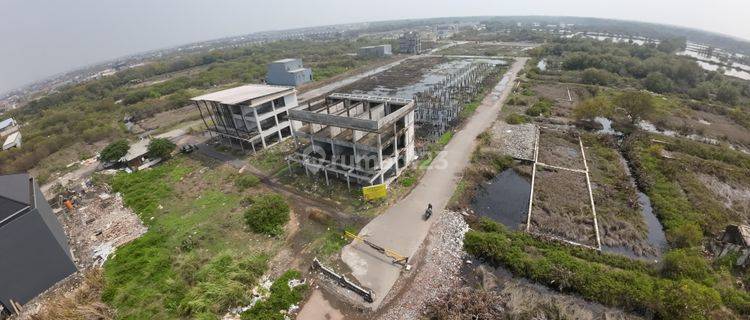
(268, 213)
(246, 180)
(160, 148)
(598, 280)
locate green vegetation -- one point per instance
(515, 118)
(543, 107)
(637, 105)
(160, 148)
(589, 109)
(649, 67)
(193, 262)
(91, 111)
(246, 180)
(114, 151)
(268, 213)
(609, 279)
(281, 298)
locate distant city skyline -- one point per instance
(43, 38)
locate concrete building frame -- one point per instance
(252, 117)
(363, 139)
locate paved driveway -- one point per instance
(401, 227)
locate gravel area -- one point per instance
(435, 274)
(516, 141)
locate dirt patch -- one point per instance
(486, 49)
(736, 198)
(561, 149)
(561, 206)
(708, 124)
(558, 93)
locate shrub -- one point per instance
(281, 298)
(592, 108)
(688, 264)
(246, 180)
(728, 94)
(160, 148)
(114, 151)
(687, 235)
(515, 118)
(268, 213)
(542, 107)
(596, 76)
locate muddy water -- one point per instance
(504, 199)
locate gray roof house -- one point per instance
(288, 72)
(34, 252)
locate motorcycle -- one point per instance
(428, 212)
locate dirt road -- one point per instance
(401, 227)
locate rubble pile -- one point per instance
(98, 225)
(516, 141)
(439, 272)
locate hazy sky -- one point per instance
(42, 38)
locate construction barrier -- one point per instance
(343, 281)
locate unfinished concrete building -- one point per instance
(288, 72)
(410, 42)
(250, 117)
(439, 107)
(363, 139)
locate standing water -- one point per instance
(656, 237)
(504, 199)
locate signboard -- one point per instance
(374, 192)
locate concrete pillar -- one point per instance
(260, 130)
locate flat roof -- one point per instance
(242, 93)
(12, 137)
(285, 60)
(6, 123)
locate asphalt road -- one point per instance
(402, 227)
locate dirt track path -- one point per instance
(401, 227)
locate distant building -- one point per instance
(13, 140)
(288, 72)
(251, 116)
(34, 252)
(380, 51)
(410, 43)
(8, 126)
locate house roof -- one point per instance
(6, 123)
(285, 60)
(15, 194)
(136, 150)
(243, 93)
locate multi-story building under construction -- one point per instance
(251, 117)
(363, 139)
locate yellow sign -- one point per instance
(374, 192)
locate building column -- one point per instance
(260, 130)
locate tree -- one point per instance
(728, 94)
(701, 92)
(658, 82)
(636, 104)
(672, 45)
(591, 108)
(160, 148)
(596, 76)
(268, 213)
(114, 151)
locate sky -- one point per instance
(41, 38)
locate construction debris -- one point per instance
(343, 281)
